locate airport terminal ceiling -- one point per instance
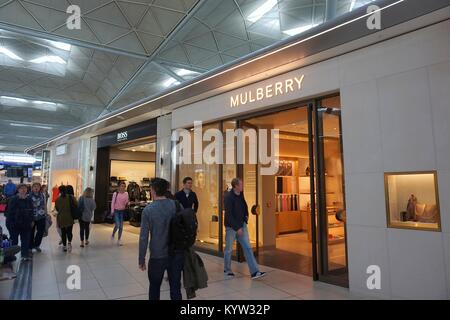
(53, 78)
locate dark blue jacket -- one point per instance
(236, 210)
(190, 201)
(20, 212)
(10, 189)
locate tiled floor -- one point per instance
(111, 272)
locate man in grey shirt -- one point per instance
(156, 219)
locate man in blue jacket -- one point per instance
(236, 220)
(186, 196)
(10, 189)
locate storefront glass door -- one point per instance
(331, 226)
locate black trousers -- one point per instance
(156, 267)
(66, 234)
(84, 230)
(37, 233)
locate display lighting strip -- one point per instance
(216, 74)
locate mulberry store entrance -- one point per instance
(299, 223)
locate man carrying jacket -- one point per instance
(236, 220)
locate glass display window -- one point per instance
(412, 200)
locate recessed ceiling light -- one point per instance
(10, 54)
(294, 31)
(13, 98)
(61, 45)
(44, 102)
(185, 72)
(44, 59)
(262, 10)
(29, 125)
(169, 82)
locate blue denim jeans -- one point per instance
(156, 267)
(118, 220)
(230, 236)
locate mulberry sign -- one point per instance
(266, 92)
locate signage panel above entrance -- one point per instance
(137, 131)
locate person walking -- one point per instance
(10, 189)
(236, 220)
(39, 216)
(156, 222)
(186, 196)
(119, 203)
(44, 190)
(19, 220)
(64, 217)
(87, 206)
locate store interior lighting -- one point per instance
(61, 45)
(170, 82)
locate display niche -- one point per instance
(412, 200)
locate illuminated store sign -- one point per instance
(122, 136)
(61, 150)
(271, 90)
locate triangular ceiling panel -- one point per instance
(211, 62)
(150, 42)
(54, 4)
(175, 53)
(88, 5)
(240, 51)
(226, 42)
(167, 19)
(133, 11)
(171, 4)
(129, 41)
(197, 54)
(205, 41)
(14, 13)
(109, 13)
(84, 33)
(105, 31)
(233, 25)
(150, 25)
(48, 18)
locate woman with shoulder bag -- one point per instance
(119, 205)
(63, 206)
(87, 206)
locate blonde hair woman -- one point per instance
(87, 205)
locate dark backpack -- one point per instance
(74, 209)
(183, 229)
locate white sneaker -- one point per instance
(119, 243)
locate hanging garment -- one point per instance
(279, 184)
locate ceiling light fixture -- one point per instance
(294, 31)
(13, 98)
(170, 82)
(29, 125)
(10, 54)
(44, 102)
(61, 45)
(44, 59)
(185, 72)
(262, 10)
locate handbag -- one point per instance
(74, 209)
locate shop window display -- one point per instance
(412, 200)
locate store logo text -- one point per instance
(267, 92)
